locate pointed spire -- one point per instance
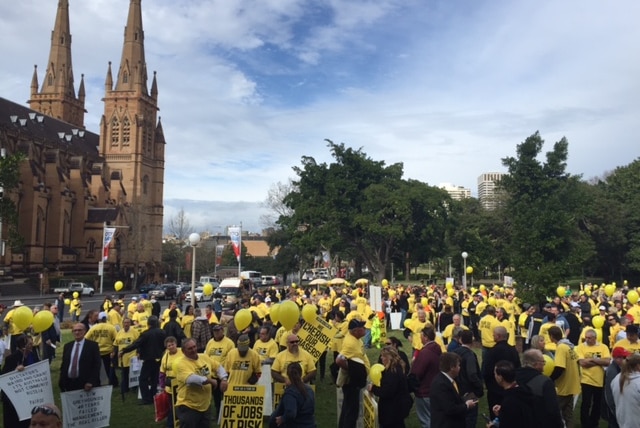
(34, 80)
(133, 67)
(81, 93)
(154, 87)
(159, 137)
(108, 82)
(59, 74)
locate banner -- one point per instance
(134, 372)
(91, 409)
(326, 259)
(28, 388)
(108, 237)
(219, 251)
(235, 233)
(242, 406)
(316, 337)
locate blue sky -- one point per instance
(449, 88)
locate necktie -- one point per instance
(74, 362)
(455, 385)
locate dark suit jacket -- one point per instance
(89, 366)
(448, 410)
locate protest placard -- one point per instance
(28, 388)
(369, 411)
(315, 337)
(278, 390)
(242, 406)
(90, 409)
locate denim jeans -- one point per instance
(423, 410)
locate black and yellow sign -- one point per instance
(242, 406)
(316, 337)
(369, 411)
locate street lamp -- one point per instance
(450, 267)
(464, 269)
(194, 240)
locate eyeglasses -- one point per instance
(48, 411)
(77, 330)
(294, 342)
(612, 319)
(388, 344)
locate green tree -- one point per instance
(9, 180)
(541, 209)
(358, 209)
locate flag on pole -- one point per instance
(235, 233)
(219, 251)
(108, 237)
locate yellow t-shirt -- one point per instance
(631, 347)
(185, 323)
(196, 397)
(132, 308)
(114, 318)
(592, 375)
(104, 334)
(284, 358)
(511, 329)
(165, 315)
(267, 349)
(448, 331)
(416, 327)
(218, 351)
(240, 368)
(140, 320)
(13, 330)
(166, 367)
(634, 311)
(124, 339)
(569, 382)
(485, 326)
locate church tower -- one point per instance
(57, 96)
(132, 143)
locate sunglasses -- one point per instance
(294, 342)
(388, 344)
(48, 411)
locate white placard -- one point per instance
(28, 388)
(375, 298)
(265, 379)
(90, 409)
(396, 317)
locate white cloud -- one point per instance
(449, 88)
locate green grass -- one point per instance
(128, 413)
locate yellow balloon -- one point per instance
(491, 301)
(392, 294)
(375, 373)
(22, 317)
(625, 282)
(76, 295)
(385, 283)
(424, 301)
(482, 287)
(451, 292)
(42, 321)
(549, 365)
(207, 289)
(274, 310)
(289, 314)
(118, 285)
(609, 289)
(293, 285)
(449, 285)
(632, 296)
(597, 321)
(67, 301)
(560, 291)
(242, 319)
(469, 270)
(309, 313)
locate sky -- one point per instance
(448, 88)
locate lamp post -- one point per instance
(464, 259)
(194, 240)
(450, 267)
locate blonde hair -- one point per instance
(631, 365)
(394, 358)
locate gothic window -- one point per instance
(145, 184)
(66, 230)
(40, 219)
(115, 131)
(126, 131)
(125, 77)
(50, 79)
(91, 248)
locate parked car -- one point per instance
(72, 287)
(268, 280)
(146, 288)
(199, 293)
(164, 291)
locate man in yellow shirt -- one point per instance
(124, 338)
(566, 373)
(105, 334)
(447, 334)
(265, 346)
(293, 354)
(631, 343)
(486, 326)
(140, 318)
(132, 307)
(197, 375)
(217, 349)
(243, 363)
(594, 357)
(114, 317)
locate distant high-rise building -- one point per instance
(487, 193)
(456, 192)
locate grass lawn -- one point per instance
(128, 413)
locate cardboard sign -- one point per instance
(28, 388)
(369, 411)
(90, 409)
(316, 337)
(242, 406)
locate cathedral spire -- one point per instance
(108, 81)
(34, 81)
(57, 96)
(133, 67)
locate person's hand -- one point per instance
(20, 368)
(496, 409)
(279, 420)
(87, 387)
(471, 403)
(369, 387)
(223, 385)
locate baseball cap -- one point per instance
(602, 308)
(620, 352)
(574, 305)
(216, 327)
(134, 298)
(102, 315)
(548, 306)
(243, 343)
(354, 323)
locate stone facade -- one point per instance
(74, 182)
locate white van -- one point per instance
(254, 276)
(234, 289)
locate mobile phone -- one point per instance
(486, 418)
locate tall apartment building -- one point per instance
(487, 192)
(74, 181)
(456, 192)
